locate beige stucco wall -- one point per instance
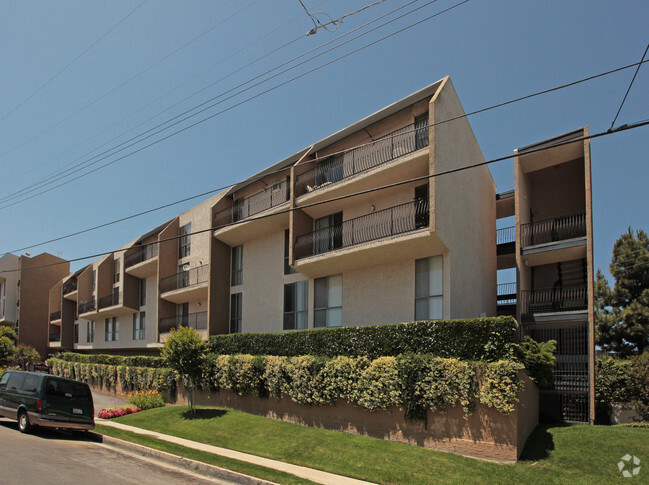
(464, 209)
(558, 190)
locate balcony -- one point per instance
(197, 321)
(190, 285)
(572, 301)
(108, 301)
(243, 208)
(55, 338)
(341, 166)
(506, 299)
(553, 230)
(70, 286)
(142, 262)
(55, 316)
(506, 247)
(87, 306)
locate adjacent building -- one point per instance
(24, 285)
(378, 223)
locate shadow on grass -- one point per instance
(539, 444)
(204, 414)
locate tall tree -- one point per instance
(622, 313)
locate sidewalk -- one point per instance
(317, 476)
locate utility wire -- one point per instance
(65, 68)
(235, 105)
(629, 88)
(108, 93)
(254, 179)
(625, 127)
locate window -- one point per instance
(183, 241)
(421, 131)
(421, 206)
(93, 282)
(116, 271)
(183, 275)
(142, 292)
(139, 320)
(328, 304)
(296, 302)
(237, 266)
(90, 331)
(237, 210)
(328, 233)
(116, 295)
(182, 314)
(429, 288)
(330, 170)
(76, 333)
(112, 329)
(235, 312)
(287, 268)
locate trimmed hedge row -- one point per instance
(131, 378)
(488, 339)
(415, 382)
(133, 361)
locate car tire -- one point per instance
(23, 422)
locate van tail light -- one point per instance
(39, 404)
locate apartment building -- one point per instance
(374, 224)
(25, 283)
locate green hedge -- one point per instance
(134, 361)
(415, 382)
(622, 380)
(487, 339)
(131, 378)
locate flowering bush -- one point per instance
(145, 399)
(116, 412)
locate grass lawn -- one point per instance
(554, 454)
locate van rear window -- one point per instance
(70, 390)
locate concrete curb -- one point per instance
(182, 462)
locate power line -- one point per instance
(230, 97)
(251, 180)
(65, 68)
(624, 127)
(629, 88)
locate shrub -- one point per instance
(379, 386)
(487, 339)
(639, 380)
(184, 351)
(145, 399)
(7, 350)
(9, 333)
(538, 359)
(500, 385)
(447, 382)
(131, 361)
(25, 355)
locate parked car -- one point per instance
(35, 399)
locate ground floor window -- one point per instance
(138, 325)
(296, 302)
(112, 329)
(429, 288)
(328, 301)
(90, 331)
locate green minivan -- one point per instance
(36, 399)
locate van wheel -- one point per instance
(23, 422)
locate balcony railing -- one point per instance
(552, 300)
(142, 254)
(552, 230)
(340, 166)
(87, 306)
(55, 315)
(185, 279)
(241, 209)
(506, 293)
(506, 235)
(70, 286)
(109, 300)
(197, 321)
(377, 225)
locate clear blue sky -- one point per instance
(70, 85)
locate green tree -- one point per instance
(7, 350)
(184, 351)
(25, 355)
(622, 313)
(9, 333)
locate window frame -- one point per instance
(424, 294)
(322, 304)
(236, 299)
(236, 266)
(293, 316)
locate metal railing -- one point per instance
(241, 209)
(505, 291)
(552, 230)
(109, 300)
(70, 286)
(506, 235)
(337, 167)
(550, 300)
(377, 225)
(55, 315)
(87, 306)
(197, 321)
(185, 279)
(142, 254)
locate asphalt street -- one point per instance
(55, 457)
